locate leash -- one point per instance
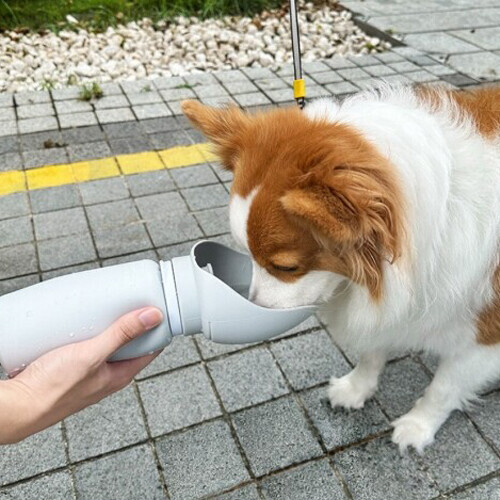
(299, 84)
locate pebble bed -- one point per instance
(186, 45)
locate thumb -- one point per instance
(124, 330)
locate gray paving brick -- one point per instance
(203, 460)
(223, 174)
(404, 67)
(484, 66)
(35, 110)
(254, 98)
(55, 198)
(9, 144)
(458, 80)
(440, 70)
(200, 79)
(422, 60)
(339, 427)
(208, 348)
(125, 129)
(13, 205)
(8, 128)
(113, 423)
(66, 251)
(421, 77)
(258, 73)
(56, 486)
(483, 414)
(111, 102)
(353, 73)
(169, 252)
(7, 114)
(215, 221)
(397, 79)
(197, 175)
(69, 270)
(103, 190)
(131, 257)
(363, 60)
(60, 223)
(315, 67)
(129, 145)
(379, 70)
(150, 183)
(240, 87)
(177, 94)
(200, 198)
(310, 323)
(187, 395)
(247, 378)
(489, 490)
(309, 359)
(216, 102)
(275, 435)
(41, 140)
(15, 231)
(401, 384)
(338, 62)
(40, 124)
(7, 286)
(168, 82)
(114, 115)
(158, 206)
(144, 97)
(173, 229)
(88, 151)
(73, 106)
(72, 92)
(486, 38)
(272, 84)
(389, 57)
(230, 76)
(196, 136)
(10, 161)
(127, 474)
(439, 43)
(175, 107)
(165, 140)
(459, 454)
(85, 119)
(327, 77)
(312, 481)
(17, 260)
(38, 453)
(160, 124)
(371, 475)
(81, 135)
(179, 353)
(42, 157)
(317, 91)
(248, 492)
(342, 88)
(212, 90)
(31, 97)
(6, 100)
(156, 110)
(286, 70)
(113, 241)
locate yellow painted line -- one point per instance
(15, 181)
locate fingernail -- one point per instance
(150, 317)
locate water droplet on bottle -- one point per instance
(72, 334)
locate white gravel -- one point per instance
(187, 45)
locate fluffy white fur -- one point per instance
(451, 185)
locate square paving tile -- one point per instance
(485, 415)
(489, 490)
(482, 66)
(131, 257)
(13, 205)
(66, 251)
(439, 43)
(7, 286)
(81, 135)
(113, 423)
(127, 474)
(71, 120)
(155, 110)
(178, 94)
(459, 455)
(248, 492)
(112, 241)
(55, 198)
(129, 145)
(10, 161)
(371, 474)
(9, 144)
(312, 481)
(36, 454)
(73, 106)
(168, 82)
(173, 229)
(211, 90)
(39, 124)
(154, 125)
(157, 206)
(247, 378)
(111, 102)
(150, 183)
(114, 115)
(31, 97)
(8, 127)
(112, 214)
(230, 76)
(180, 352)
(240, 87)
(353, 73)
(339, 427)
(198, 175)
(60, 223)
(103, 190)
(8, 114)
(200, 198)
(486, 38)
(125, 129)
(254, 98)
(149, 97)
(69, 270)
(17, 260)
(208, 348)
(88, 151)
(165, 140)
(43, 157)
(201, 461)
(178, 399)
(309, 359)
(215, 221)
(56, 486)
(275, 435)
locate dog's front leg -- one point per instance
(353, 389)
(457, 381)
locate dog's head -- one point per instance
(313, 202)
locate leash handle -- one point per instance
(299, 84)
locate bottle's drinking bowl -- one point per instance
(205, 291)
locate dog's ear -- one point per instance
(222, 126)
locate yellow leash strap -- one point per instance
(299, 84)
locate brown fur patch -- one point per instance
(327, 199)
(488, 322)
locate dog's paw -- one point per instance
(410, 430)
(347, 393)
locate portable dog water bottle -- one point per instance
(202, 292)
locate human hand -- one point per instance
(72, 377)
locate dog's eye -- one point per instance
(285, 269)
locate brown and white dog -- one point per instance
(385, 209)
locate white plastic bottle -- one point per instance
(203, 292)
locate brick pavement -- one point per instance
(208, 420)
